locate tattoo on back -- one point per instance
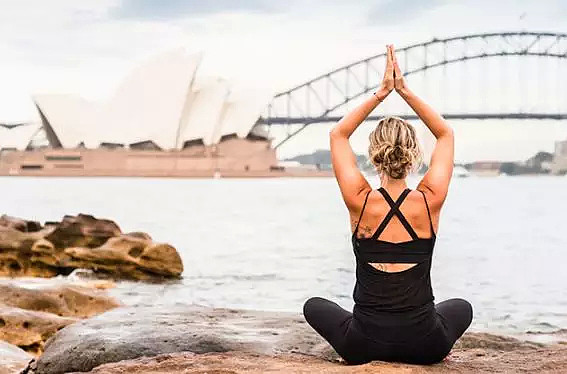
(364, 231)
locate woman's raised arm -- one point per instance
(435, 183)
(352, 183)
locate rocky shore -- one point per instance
(29, 316)
(28, 248)
(204, 340)
(75, 327)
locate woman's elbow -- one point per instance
(335, 133)
(448, 132)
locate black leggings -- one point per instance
(346, 336)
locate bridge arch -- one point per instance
(314, 100)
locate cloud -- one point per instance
(171, 9)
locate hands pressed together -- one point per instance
(393, 77)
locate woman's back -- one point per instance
(413, 209)
(393, 285)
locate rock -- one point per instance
(132, 332)
(66, 301)
(141, 235)
(28, 317)
(16, 255)
(128, 256)
(82, 231)
(494, 342)
(242, 341)
(11, 239)
(19, 224)
(83, 242)
(12, 358)
(551, 360)
(29, 329)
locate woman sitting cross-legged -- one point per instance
(393, 235)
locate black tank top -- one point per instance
(400, 302)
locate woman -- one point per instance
(394, 317)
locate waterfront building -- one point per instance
(163, 120)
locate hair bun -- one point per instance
(393, 148)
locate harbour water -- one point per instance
(271, 243)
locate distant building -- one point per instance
(17, 137)
(485, 168)
(161, 105)
(559, 163)
(162, 121)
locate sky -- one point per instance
(88, 46)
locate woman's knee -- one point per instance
(459, 304)
(458, 311)
(466, 308)
(310, 306)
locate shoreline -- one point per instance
(174, 339)
(177, 338)
(557, 335)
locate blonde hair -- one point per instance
(394, 149)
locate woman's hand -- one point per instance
(399, 81)
(388, 83)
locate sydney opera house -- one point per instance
(163, 120)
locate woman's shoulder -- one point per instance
(434, 201)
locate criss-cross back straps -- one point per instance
(394, 209)
(361, 213)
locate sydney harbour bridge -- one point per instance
(508, 75)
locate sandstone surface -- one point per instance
(545, 360)
(29, 329)
(64, 300)
(30, 316)
(82, 242)
(200, 339)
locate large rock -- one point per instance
(82, 231)
(549, 360)
(15, 251)
(132, 332)
(29, 329)
(128, 256)
(12, 358)
(82, 242)
(28, 317)
(65, 300)
(235, 340)
(19, 224)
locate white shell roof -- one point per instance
(204, 111)
(72, 118)
(149, 103)
(240, 113)
(159, 102)
(17, 137)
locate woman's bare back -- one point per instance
(413, 208)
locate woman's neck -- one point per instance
(391, 184)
